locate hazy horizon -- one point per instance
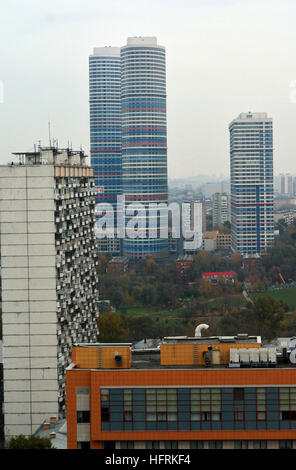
(223, 58)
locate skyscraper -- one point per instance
(251, 167)
(144, 138)
(105, 134)
(129, 139)
(49, 280)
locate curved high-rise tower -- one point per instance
(144, 143)
(105, 135)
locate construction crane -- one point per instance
(283, 280)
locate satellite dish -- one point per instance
(292, 356)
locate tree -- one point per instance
(111, 328)
(236, 260)
(31, 442)
(268, 314)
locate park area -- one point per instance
(287, 295)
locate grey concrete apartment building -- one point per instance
(49, 280)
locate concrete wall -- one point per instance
(29, 297)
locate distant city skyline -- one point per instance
(223, 61)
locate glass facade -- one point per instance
(144, 143)
(194, 409)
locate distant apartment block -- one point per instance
(223, 241)
(286, 184)
(49, 280)
(183, 265)
(252, 199)
(194, 221)
(118, 264)
(221, 208)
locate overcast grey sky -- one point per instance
(223, 57)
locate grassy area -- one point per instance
(151, 311)
(287, 295)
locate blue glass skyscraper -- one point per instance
(128, 132)
(144, 139)
(105, 132)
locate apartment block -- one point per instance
(49, 279)
(252, 193)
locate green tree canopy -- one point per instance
(31, 442)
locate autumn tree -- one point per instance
(268, 315)
(111, 328)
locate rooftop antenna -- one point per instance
(49, 133)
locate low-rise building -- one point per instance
(217, 276)
(187, 393)
(118, 264)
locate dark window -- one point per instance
(83, 445)
(215, 445)
(288, 415)
(286, 444)
(196, 444)
(238, 394)
(171, 445)
(259, 444)
(83, 417)
(152, 444)
(109, 445)
(127, 445)
(105, 415)
(241, 444)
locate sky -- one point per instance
(224, 57)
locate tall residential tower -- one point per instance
(251, 166)
(128, 133)
(105, 134)
(49, 280)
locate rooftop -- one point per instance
(181, 352)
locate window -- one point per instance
(261, 404)
(83, 417)
(259, 444)
(215, 444)
(83, 445)
(287, 396)
(128, 416)
(105, 415)
(152, 444)
(196, 444)
(109, 445)
(171, 444)
(286, 444)
(205, 404)
(239, 413)
(241, 444)
(127, 445)
(238, 394)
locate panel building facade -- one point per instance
(49, 280)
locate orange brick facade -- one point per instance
(97, 379)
